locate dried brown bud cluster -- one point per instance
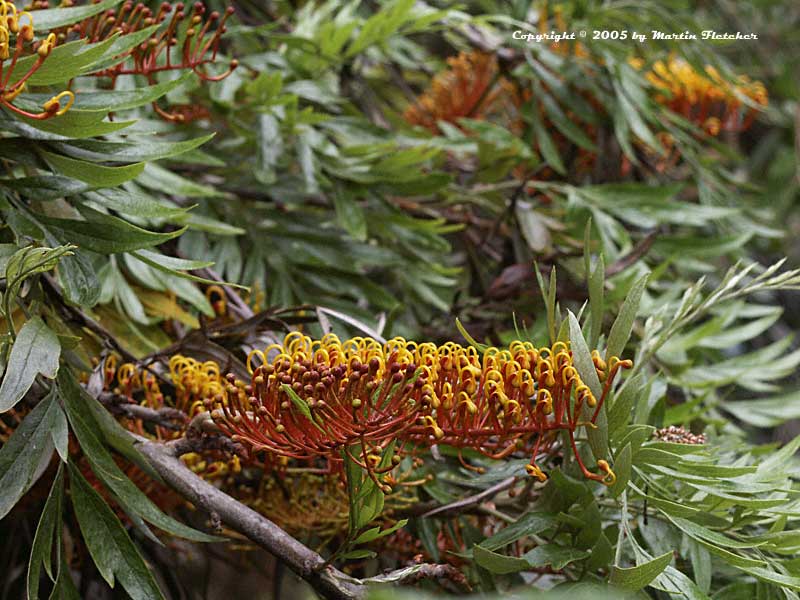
(679, 435)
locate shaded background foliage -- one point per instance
(383, 169)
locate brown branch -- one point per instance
(327, 581)
(638, 251)
(444, 574)
(168, 417)
(470, 501)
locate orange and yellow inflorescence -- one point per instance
(21, 56)
(309, 405)
(179, 37)
(171, 37)
(329, 399)
(705, 98)
(470, 87)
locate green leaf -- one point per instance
(596, 300)
(172, 263)
(158, 178)
(105, 234)
(30, 261)
(602, 554)
(48, 535)
(176, 266)
(107, 470)
(766, 412)
(74, 124)
(370, 502)
(530, 524)
(25, 455)
(36, 350)
(106, 101)
(622, 469)
(365, 498)
(46, 187)
(136, 203)
(53, 18)
(381, 25)
(553, 554)
(549, 296)
(564, 124)
(102, 422)
(533, 227)
(368, 536)
(582, 357)
(644, 205)
(621, 329)
(620, 412)
(358, 554)
(718, 544)
(133, 150)
(701, 566)
(636, 578)
(109, 545)
(546, 145)
(269, 141)
(118, 51)
(779, 579)
(350, 215)
(499, 564)
(95, 175)
(65, 62)
(196, 221)
(300, 404)
(59, 430)
(79, 280)
(470, 340)
(64, 588)
(375, 533)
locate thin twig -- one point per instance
(638, 251)
(414, 573)
(470, 501)
(167, 417)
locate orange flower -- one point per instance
(705, 98)
(17, 40)
(470, 87)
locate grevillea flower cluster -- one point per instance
(173, 37)
(470, 87)
(328, 399)
(511, 399)
(301, 499)
(193, 381)
(323, 398)
(312, 404)
(705, 98)
(21, 56)
(185, 39)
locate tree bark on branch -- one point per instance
(327, 581)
